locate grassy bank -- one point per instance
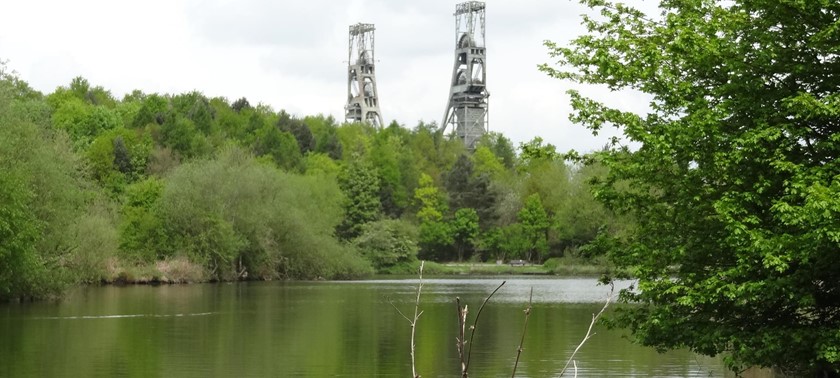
(566, 266)
(179, 270)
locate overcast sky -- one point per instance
(292, 55)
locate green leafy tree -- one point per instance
(486, 163)
(14, 87)
(298, 129)
(202, 114)
(180, 134)
(142, 232)
(534, 152)
(19, 231)
(325, 132)
(467, 190)
(436, 240)
(501, 147)
(508, 242)
(119, 157)
(231, 123)
(320, 164)
(71, 116)
(464, 228)
(360, 185)
(238, 217)
(240, 104)
(430, 200)
(43, 200)
(551, 180)
(431, 152)
(535, 225)
(153, 109)
(355, 140)
(127, 111)
(385, 155)
(387, 243)
(280, 146)
(734, 180)
(580, 219)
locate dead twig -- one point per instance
(589, 333)
(459, 341)
(462, 322)
(524, 328)
(413, 321)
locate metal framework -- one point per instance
(467, 108)
(362, 97)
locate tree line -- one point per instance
(98, 188)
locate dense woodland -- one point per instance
(187, 187)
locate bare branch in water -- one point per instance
(417, 314)
(524, 328)
(413, 321)
(459, 341)
(589, 333)
(465, 347)
(475, 324)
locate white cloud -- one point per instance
(292, 55)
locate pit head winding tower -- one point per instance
(362, 97)
(467, 108)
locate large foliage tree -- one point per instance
(734, 180)
(387, 243)
(360, 186)
(43, 200)
(468, 190)
(19, 231)
(237, 216)
(464, 228)
(535, 226)
(385, 154)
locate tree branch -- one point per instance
(462, 321)
(589, 333)
(475, 323)
(413, 321)
(524, 328)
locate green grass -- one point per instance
(565, 266)
(494, 269)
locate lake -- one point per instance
(323, 329)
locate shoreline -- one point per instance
(183, 272)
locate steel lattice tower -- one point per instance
(362, 97)
(467, 108)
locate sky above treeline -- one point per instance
(292, 55)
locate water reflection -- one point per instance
(322, 329)
(515, 290)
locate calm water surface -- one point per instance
(321, 329)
